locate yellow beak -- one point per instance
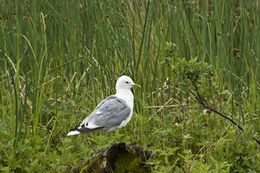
(139, 86)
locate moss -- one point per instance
(118, 158)
(129, 162)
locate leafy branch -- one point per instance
(191, 75)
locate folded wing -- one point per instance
(109, 113)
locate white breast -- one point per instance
(128, 96)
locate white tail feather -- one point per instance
(73, 133)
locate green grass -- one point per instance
(58, 59)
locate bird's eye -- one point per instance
(126, 82)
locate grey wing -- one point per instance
(110, 112)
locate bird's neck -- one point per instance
(127, 95)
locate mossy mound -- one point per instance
(118, 157)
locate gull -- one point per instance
(112, 113)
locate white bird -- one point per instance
(112, 113)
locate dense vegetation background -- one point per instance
(58, 59)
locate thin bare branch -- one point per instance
(201, 100)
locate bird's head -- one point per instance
(125, 82)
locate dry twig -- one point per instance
(201, 100)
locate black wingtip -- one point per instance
(78, 131)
